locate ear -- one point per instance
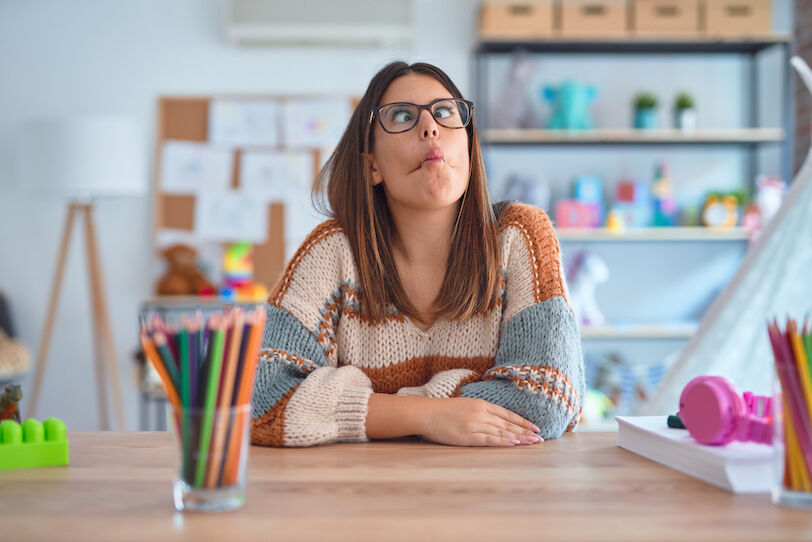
(373, 169)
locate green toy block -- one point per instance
(32, 444)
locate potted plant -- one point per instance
(645, 110)
(684, 112)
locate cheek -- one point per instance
(462, 161)
(391, 160)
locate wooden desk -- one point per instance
(580, 487)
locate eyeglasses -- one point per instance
(400, 117)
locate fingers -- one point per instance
(508, 434)
(511, 430)
(513, 418)
(490, 439)
(493, 440)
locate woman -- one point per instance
(420, 308)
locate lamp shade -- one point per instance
(83, 157)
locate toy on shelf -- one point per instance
(589, 191)
(585, 272)
(512, 111)
(769, 195)
(597, 407)
(721, 210)
(627, 384)
(183, 277)
(527, 189)
(570, 213)
(33, 444)
(665, 207)
(633, 200)
(238, 274)
(10, 403)
(571, 102)
(615, 222)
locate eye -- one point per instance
(443, 111)
(401, 115)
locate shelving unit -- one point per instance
(748, 136)
(637, 336)
(640, 331)
(680, 233)
(751, 138)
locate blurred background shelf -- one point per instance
(632, 45)
(678, 233)
(631, 136)
(682, 330)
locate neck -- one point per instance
(424, 236)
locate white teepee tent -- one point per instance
(774, 280)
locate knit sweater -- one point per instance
(321, 358)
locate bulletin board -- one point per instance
(187, 119)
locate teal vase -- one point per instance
(645, 118)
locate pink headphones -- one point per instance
(713, 412)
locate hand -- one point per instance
(465, 421)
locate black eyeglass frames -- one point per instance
(399, 117)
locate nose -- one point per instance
(428, 126)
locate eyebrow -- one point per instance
(408, 102)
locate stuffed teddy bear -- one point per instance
(183, 277)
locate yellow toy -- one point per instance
(721, 211)
(238, 272)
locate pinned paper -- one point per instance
(244, 122)
(189, 168)
(276, 176)
(231, 215)
(315, 123)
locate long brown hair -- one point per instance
(471, 282)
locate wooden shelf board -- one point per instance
(640, 331)
(631, 136)
(641, 45)
(676, 233)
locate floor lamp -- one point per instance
(81, 161)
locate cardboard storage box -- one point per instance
(516, 20)
(666, 18)
(738, 18)
(594, 19)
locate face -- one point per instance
(427, 167)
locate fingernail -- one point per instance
(513, 442)
(531, 439)
(535, 427)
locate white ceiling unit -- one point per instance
(319, 22)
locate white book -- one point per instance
(740, 467)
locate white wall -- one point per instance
(117, 57)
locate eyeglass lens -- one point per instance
(399, 117)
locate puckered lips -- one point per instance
(433, 156)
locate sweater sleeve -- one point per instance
(301, 396)
(538, 372)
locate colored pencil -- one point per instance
(244, 392)
(156, 361)
(207, 369)
(215, 361)
(792, 362)
(224, 401)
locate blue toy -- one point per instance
(634, 201)
(665, 207)
(570, 101)
(589, 191)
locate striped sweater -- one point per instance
(321, 358)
